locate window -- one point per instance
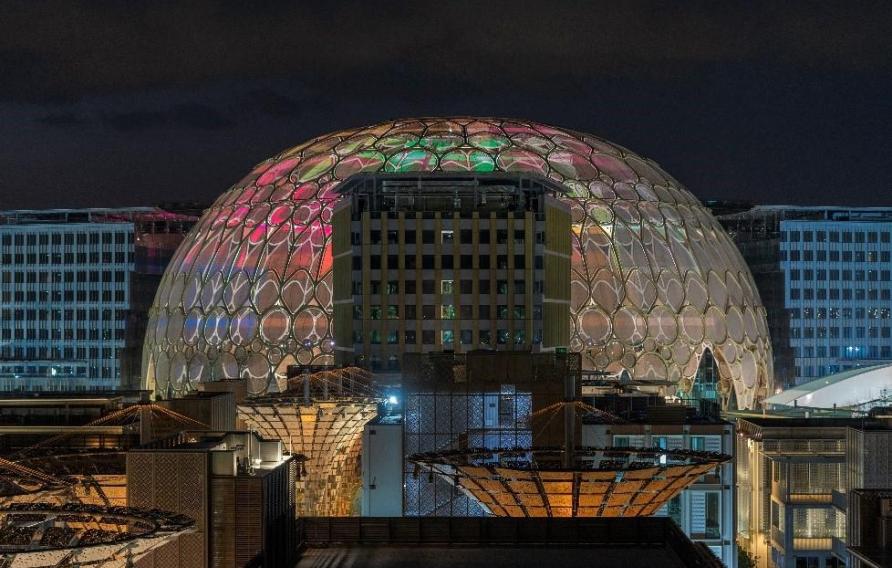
(410, 311)
(428, 312)
(447, 312)
(447, 286)
(519, 286)
(427, 287)
(501, 286)
(466, 336)
(410, 337)
(447, 336)
(393, 287)
(483, 311)
(467, 286)
(427, 237)
(466, 261)
(502, 312)
(427, 337)
(393, 312)
(447, 236)
(375, 312)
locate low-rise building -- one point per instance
(706, 510)
(794, 475)
(238, 487)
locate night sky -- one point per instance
(107, 103)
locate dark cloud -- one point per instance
(770, 101)
(69, 48)
(272, 103)
(61, 119)
(195, 115)
(136, 120)
(190, 115)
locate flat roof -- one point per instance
(487, 556)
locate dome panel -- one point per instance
(251, 285)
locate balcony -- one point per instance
(809, 499)
(840, 500)
(777, 539)
(816, 544)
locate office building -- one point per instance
(434, 262)
(67, 292)
(825, 276)
(706, 510)
(656, 285)
(237, 487)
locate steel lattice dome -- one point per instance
(656, 281)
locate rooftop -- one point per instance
(498, 541)
(851, 388)
(91, 215)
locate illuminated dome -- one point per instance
(656, 281)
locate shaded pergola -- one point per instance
(321, 415)
(610, 482)
(42, 535)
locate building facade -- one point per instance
(66, 292)
(795, 477)
(705, 511)
(435, 262)
(825, 276)
(869, 522)
(237, 487)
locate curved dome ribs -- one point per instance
(655, 279)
